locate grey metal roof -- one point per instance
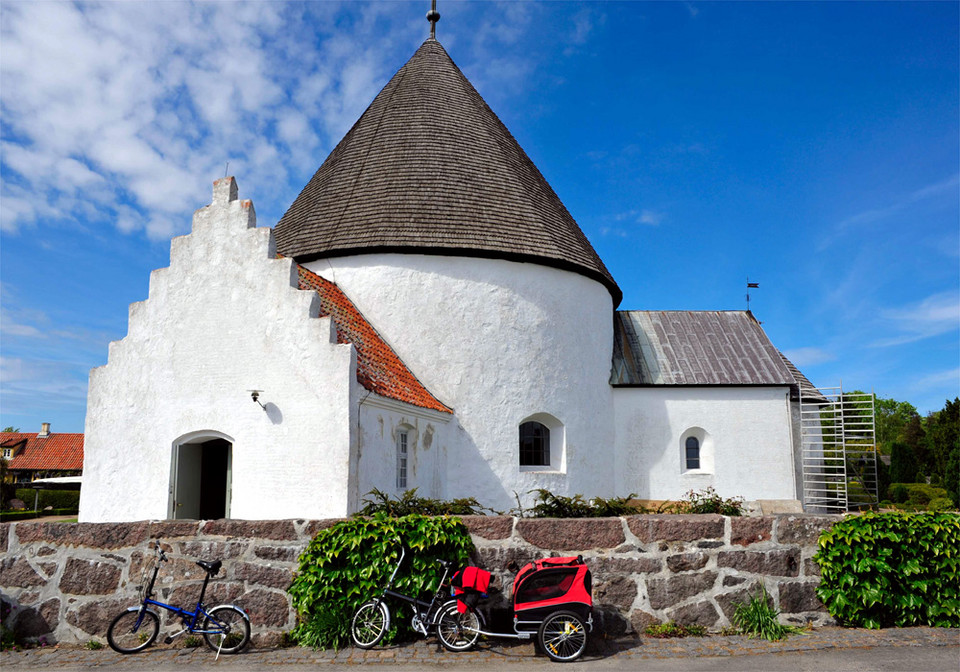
(654, 347)
(810, 391)
(429, 168)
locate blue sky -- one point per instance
(812, 147)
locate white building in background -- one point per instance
(428, 315)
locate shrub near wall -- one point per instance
(892, 569)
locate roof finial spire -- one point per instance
(433, 16)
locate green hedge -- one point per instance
(892, 569)
(347, 564)
(58, 499)
(13, 516)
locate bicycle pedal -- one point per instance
(168, 639)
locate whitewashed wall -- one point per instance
(497, 341)
(749, 429)
(225, 317)
(428, 433)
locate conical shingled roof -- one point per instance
(430, 169)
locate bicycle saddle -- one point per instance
(212, 568)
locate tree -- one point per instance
(11, 429)
(892, 417)
(942, 438)
(903, 463)
(914, 436)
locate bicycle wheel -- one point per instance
(370, 624)
(457, 632)
(129, 633)
(563, 636)
(226, 629)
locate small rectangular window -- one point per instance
(402, 461)
(534, 445)
(693, 453)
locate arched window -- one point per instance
(403, 440)
(534, 445)
(693, 452)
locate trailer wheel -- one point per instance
(563, 636)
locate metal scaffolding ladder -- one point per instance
(838, 450)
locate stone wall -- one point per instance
(65, 581)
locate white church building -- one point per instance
(427, 315)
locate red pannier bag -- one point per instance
(469, 584)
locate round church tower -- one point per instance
(435, 223)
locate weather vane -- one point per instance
(751, 285)
(433, 16)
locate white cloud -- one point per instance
(133, 108)
(937, 380)
(650, 217)
(934, 315)
(948, 186)
(808, 356)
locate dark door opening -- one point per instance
(202, 478)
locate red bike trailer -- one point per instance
(551, 598)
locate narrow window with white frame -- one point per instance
(403, 439)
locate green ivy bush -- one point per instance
(892, 569)
(348, 564)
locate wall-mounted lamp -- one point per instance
(255, 395)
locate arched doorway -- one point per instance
(200, 477)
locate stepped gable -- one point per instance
(379, 369)
(430, 169)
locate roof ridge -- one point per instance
(379, 367)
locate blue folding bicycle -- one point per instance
(225, 628)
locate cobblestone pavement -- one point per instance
(824, 648)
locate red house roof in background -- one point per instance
(379, 369)
(55, 452)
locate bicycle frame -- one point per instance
(424, 612)
(190, 618)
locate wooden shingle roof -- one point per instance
(55, 452)
(686, 347)
(379, 369)
(430, 169)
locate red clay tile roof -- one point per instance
(379, 369)
(56, 452)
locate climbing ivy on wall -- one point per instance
(347, 564)
(892, 569)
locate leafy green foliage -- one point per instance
(758, 618)
(93, 645)
(892, 569)
(347, 564)
(919, 496)
(671, 629)
(942, 441)
(707, 501)
(903, 463)
(409, 504)
(58, 499)
(549, 505)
